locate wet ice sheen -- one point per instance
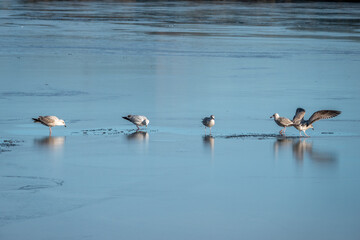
(91, 62)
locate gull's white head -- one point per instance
(212, 117)
(146, 122)
(275, 115)
(61, 123)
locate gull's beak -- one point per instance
(65, 125)
(271, 116)
(313, 129)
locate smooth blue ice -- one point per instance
(91, 62)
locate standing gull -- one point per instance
(209, 122)
(50, 121)
(303, 125)
(138, 120)
(282, 122)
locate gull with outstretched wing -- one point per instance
(302, 125)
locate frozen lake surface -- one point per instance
(91, 62)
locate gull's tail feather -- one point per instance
(36, 120)
(126, 118)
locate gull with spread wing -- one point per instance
(303, 125)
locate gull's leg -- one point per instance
(205, 131)
(281, 132)
(210, 130)
(137, 128)
(50, 131)
(306, 134)
(284, 131)
(300, 133)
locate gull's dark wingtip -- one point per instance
(336, 113)
(300, 109)
(332, 113)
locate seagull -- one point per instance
(138, 120)
(282, 122)
(50, 121)
(209, 122)
(303, 125)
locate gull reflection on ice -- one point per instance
(50, 142)
(301, 148)
(138, 136)
(209, 142)
(52, 146)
